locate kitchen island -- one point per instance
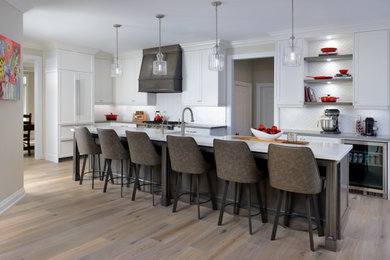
(331, 158)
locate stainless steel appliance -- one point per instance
(369, 126)
(368, 168)
(330, 123)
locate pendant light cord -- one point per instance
(159, 35)
(216, 26)
(292, 24)
(117, 55)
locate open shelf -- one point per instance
(325, 81)
(328, 58)
(329, 103)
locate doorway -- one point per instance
(33, 99)
(251, 100)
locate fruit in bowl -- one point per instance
(266, 133)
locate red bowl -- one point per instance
(111, 117)
(328, 49)
(343, 71)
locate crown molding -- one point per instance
(131, 54)
(332, 29)
(104, 55)
(253, 42)
(204, 45)
(21, 5)
(70, 47)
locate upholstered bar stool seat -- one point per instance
(143, 153)
(295, 170)
(87, 147)
(186, 158)
(235, 163)
(113, 149)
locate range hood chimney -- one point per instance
(170, 83)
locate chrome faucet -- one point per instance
(183, 124)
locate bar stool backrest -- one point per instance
(293, 169)
(112, 147)
(185, 155)
(85, 141)
(235, 162)
(142, 150)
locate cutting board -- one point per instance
(248, 138)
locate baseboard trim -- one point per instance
(11, 200)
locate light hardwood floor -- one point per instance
(60, 219)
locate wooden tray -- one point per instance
(248, 138)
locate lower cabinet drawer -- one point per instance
(66, 148)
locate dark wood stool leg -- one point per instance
(93, 170)
(100, 168)
(226, 185)
(83, 169)
(178, 184)
(276, 220)
(136, 181)
(104, 169)
(314, 201)
(128, 173)
(190, 189)
(235, 199)
(121, 178)
(240, 189)
(197, 193)
(212, 197)
(249, 209)
(309, 222)
(107, 175)
(259, 198)
(152, 184)
(287, 206)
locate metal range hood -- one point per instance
(170, 83)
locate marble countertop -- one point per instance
(321, 150)
(349, 136)
(189, 125)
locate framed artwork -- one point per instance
(10, 70)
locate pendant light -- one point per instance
(116, 68)
(216, 58)
(159, 65)
(292, 53)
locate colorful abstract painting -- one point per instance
(10, 71)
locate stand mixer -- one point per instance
(330, 123)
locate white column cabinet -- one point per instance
(371, 65)
(201, 86)
(103, 82)
(126, 88)
(289, 80)
(84, 98)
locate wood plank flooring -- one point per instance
(60, 219)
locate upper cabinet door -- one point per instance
(371, 65)
(103, 81)
(84, 98)
(192, 78)
(67, 97)
(289, 80)
(69, 60)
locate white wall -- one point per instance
(11, 115)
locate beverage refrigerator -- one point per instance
(368, 168)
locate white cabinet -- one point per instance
(75, 97)
(103, 81)
(69, 99)
(289, 80)
(201, 86)
(371, 64)
(126, 87)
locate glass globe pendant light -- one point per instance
(292, 54)
(116, 68)
(216, 58)
(159, 65)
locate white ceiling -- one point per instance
(89, 22)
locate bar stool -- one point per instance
(142, 153)
(187, 158)
(113, 149)
(235, 163)
(87, 147)
(295, 170)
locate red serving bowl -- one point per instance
(111, 117)
(328, 49)
(343, 71)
